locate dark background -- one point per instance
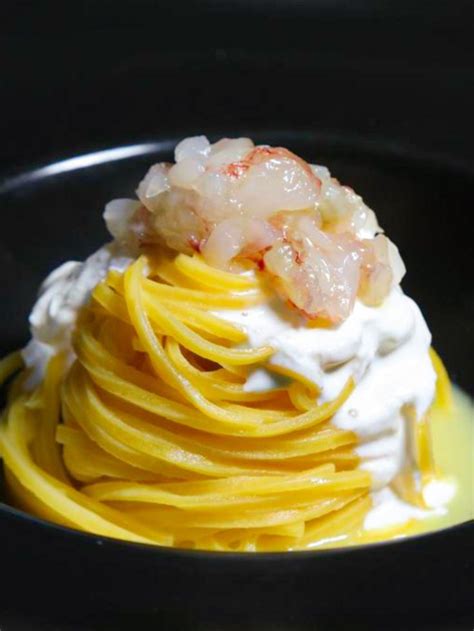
(90, 73)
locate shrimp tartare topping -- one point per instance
(242, 205)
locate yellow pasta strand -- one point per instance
(85, 514)
(195, 267)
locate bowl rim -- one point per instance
(335, 139)
(338, 141)
(198, 554)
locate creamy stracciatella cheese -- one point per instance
(386, 351)
(61, 296)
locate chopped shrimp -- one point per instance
(382, 267)
(238, 237)
(233, 201)
(342, 209)
(318, 272)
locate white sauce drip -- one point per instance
(389, 510)
(385, 350)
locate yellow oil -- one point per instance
(453, 450)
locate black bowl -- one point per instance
(82, 581)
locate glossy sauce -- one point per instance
(453, 446)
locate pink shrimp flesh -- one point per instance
(233, 201)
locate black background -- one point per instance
(85, 75)
(91, 73)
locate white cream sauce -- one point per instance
(389, 510)
(385, 350)
(61, 295)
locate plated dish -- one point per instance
(238, 370)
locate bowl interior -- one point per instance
(53, 214)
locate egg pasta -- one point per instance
(151, 436)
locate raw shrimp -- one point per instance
(237, 203)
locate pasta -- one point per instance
(151, 437)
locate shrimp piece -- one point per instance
(228, 150)
(118, 215)
(382, 268)
(342, 209)
(130, 223)
(232, 238)
(272, 179)
(317, 272)
(153, 185)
